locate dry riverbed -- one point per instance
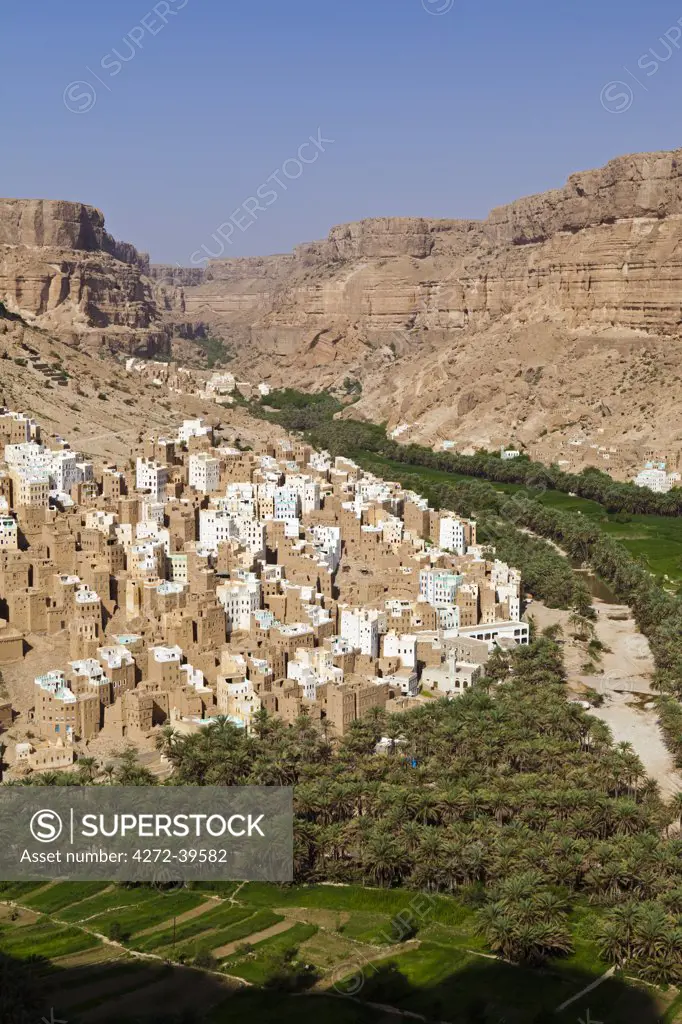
(623, 677)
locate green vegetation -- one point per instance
(62, 895)
(138, 916)
(114, 897)
(215, 350)
(518, 800)
(374, 929)
(273, 961)
(17, 890)
(431, 981)
(296, 410)
(431, 975)
(43, 939)
(221, 916)
(519, 807)
(388, 902)
(208, 941)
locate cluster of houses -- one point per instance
(197, 580)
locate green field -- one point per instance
(329, 935)
(656, 540)
(207, 942)
(112, 897)
(220, 916)
(16, 890)
(434, 979)
(254, 966)
(57, 897)
(374, 929)
(43, 939)
(138, 917)
(345, 898)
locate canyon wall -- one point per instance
(559, 312)
(601, 251)
(51, 223)
(425, 312)
(61, 270)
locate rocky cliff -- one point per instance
(554, 322)
(481, 330)
(61, 270)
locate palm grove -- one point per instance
(510, 798)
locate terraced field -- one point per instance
(229, 953)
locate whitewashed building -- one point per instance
(451, 535)
(151, 476)
(240, 599)
(9, 538)
(204, 472)
(360, 626)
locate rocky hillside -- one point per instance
(554, 323)
(558, 314)
(62, 271)
(90, 398)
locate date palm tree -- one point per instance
(87, 769)
(260, 723)
(676, 809)
(386, 859)
(165, 738)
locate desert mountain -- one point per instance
(556, 319)
(61, 270)
(555, 322)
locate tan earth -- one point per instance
(556, 320)
(624, 680)
(266, 933)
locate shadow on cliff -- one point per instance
(482, 992)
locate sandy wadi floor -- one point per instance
(627, 668)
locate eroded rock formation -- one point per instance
(60, 269)
(442, 319)
(558, 314)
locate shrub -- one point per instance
(117, 933)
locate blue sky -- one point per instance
(435, 108)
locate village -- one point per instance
(200, 580)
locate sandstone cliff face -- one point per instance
(56, 224)
(426, 311)
(60, 269)
(560, 312)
